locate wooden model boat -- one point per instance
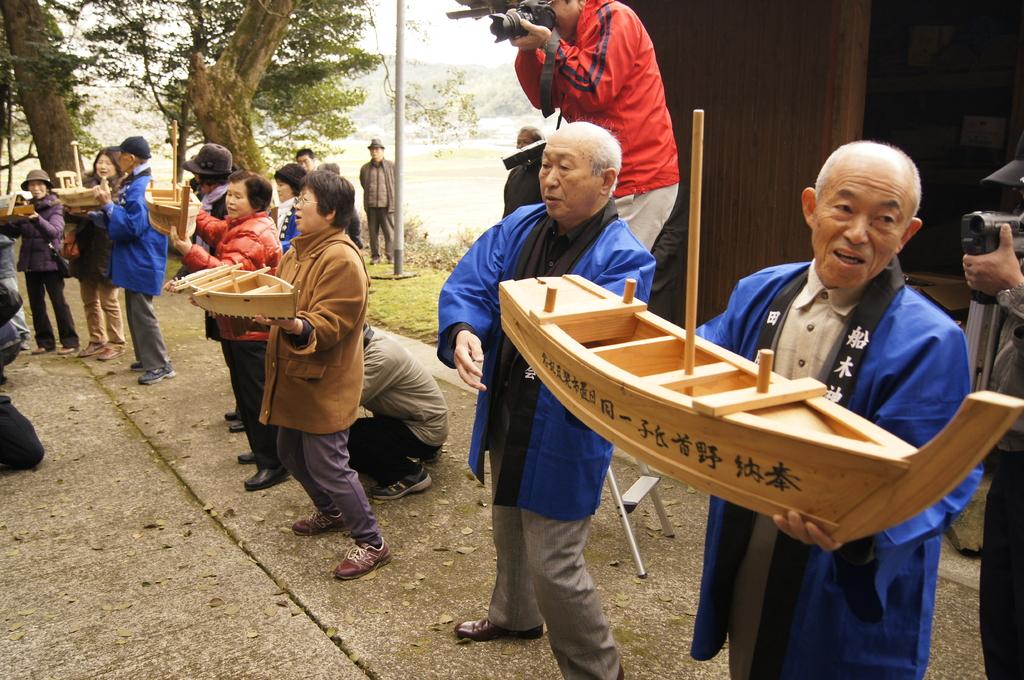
(233, 292)
(13, 207)
(173, 208)
(620, 370)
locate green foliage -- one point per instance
(446, 111)
(302, 98)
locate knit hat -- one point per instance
(291, 174)
(212, 159)
(136, 146)
(36, 175)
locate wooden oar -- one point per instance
(693, 250)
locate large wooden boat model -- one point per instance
(229, 291)
(15, 207)
(773, 447)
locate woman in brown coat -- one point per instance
(315, 371)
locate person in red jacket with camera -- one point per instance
(606, 73)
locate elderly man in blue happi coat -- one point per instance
(792, 602)
(547, 468)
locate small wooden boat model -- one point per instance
(73, 196)
(233, 292)
(728, 427)
(15, 207)
(173, 209)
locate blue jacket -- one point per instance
(566, 463)
(872, 621)
(138, 254)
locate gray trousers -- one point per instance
(542, 578)
(320, 464)
(147, 340)
(380, 220)
(19, 321)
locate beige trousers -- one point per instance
(102, 312)
(646, 214)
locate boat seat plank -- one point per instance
(598, 310)
(748, 399)
(674, 380)
(636, 344)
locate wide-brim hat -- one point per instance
(36, 175)
(212, 159)
(1011, 174)
(375, 143)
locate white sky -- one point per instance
(433, 38)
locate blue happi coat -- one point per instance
(138, 253)
(566, 462)
(871, 621)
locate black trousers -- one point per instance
(1002, 571)
(245, 364)
(381, 447)
(53, 285)
(19, 446)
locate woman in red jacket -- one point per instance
(248, 237)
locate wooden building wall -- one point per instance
(782, 84)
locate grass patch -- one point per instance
(406, 306)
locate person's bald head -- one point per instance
(878, 150)
(578, 172)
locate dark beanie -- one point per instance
(291, 174)
(136, 146)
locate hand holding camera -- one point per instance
(997, 270)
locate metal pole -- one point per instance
(399, 241)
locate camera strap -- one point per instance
(547, 74)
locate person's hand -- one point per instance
(469, 359)
(169, 286)
(182, 245)
(995, 271)
(535, 39)
(102, 193)
(289, 326)
(794, 526)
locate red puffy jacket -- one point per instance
(250, 240)
(610, 77)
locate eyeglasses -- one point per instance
(302, 200)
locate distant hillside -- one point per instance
(496, 92)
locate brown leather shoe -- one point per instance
(41, 350)
(110, 352)
(91, 349)
(483, 630)
(64, 351)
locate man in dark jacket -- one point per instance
(378, 181)
(999, 275)
(523, 184)
(138, 258)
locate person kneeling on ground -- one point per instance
(409, 423)
(315, 367)
(20, 447)
(247, 237)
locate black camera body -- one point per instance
(531, 153)
(979, 232)
(510, 24)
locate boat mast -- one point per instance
(693, 249)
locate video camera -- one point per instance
(531, 153)
(979, 232)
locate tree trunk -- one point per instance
(40, 99)
(221, 95)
